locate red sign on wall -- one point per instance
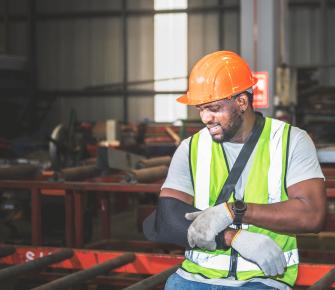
(261, 90)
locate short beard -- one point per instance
(229, 133)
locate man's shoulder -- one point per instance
(297, 134)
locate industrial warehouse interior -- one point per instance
(112, 109)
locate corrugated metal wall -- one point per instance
(305, 25)
(88, 52)
(78, 54)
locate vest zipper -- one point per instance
(233, 264)
(233, 261)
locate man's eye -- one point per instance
(215, 109)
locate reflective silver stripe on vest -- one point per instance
(222, 262)
(276, 161)
(203, 172)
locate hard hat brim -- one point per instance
(254, 80)
(184, 99)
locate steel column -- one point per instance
(6, 26)
(220, 30)
(125, 60)
(259, 39)
(29, 113)
(323, 42)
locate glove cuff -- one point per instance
(234, 239)
(229, 214)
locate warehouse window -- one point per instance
(170, 59)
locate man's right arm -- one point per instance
(178, 183)
(169, 192)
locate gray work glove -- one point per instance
(262, 250)
(207, 224)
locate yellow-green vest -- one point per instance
(265, 184)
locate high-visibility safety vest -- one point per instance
(265, 184)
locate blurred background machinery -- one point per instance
(89, 122)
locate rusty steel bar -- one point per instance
(82, 186)
(81, 276)
(153, 281)
(20, 171)
(79, 219)
(144, 264)
(14, 271)
(104, 211)
(69, 224)
(6, 251)
(36, 214)
(155, 161)
(79, 173)
(146, 174)
(325, 282)
(119, 281)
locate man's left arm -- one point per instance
(304, 211)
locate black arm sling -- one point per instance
(167, 223)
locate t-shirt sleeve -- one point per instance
(303, 163)
(179, 177)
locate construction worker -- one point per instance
(248, 241)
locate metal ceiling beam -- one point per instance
(119, 13)
(102, 93)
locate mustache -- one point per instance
(209, 126)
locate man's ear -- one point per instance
(243, 102)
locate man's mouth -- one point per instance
(213, 130)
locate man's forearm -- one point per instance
(291, 216)
(303, 212)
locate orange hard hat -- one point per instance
(216, 76)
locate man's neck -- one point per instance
(249, 119)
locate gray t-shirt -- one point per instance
(302, 165)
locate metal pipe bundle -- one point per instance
(146, 174)
(19, 171)
(14, 271)
(152, 162)
(152, 281)
(79, 173)
(81, 276)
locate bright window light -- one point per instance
(170, 60)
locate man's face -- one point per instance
(223, 119)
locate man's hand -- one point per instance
(207, 224)
(261, 250)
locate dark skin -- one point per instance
(304, 211)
